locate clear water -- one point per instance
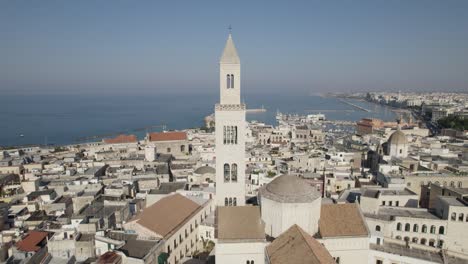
(64, 119)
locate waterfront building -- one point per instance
(174, 143)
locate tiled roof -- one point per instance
(109, 257)
(167, 214)
(240, 223)
(295, 246)
(341, 220)
(137, 248)
(167, 136)
(31, 241)
(121, 139)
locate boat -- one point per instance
(21, 135)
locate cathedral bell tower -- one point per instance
(230, 131)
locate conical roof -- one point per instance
(230, 53)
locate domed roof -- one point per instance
(205, 170)
(290, 189)
(397, 138)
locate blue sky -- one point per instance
(139, 47)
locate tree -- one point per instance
(454, 122)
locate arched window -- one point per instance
(461, 217)
(445, 183)
(398, 227)
(182, 148)
(234, 202)
(415, 228)
(230, 201)
(459, 184)
(441, 243)
(415, 240)
(432, 242)
(234, 172)
(232, 85)
(228, 81)
(398, 237)
(235, 135)
(454, 216)
(225, 135)
(423, 241)
(226, 172)
(424, 229)
(441, 230)
(452, 184)
(406, 239)
(407, 227)
(433, 229)
(377, 228)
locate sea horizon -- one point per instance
(63, 119)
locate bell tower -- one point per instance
(230, 131)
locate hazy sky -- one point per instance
(136, 46)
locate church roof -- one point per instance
(296, 246)
(341, 220)
(240, 223)
(397, 138)
(230, 53)
(290, 189)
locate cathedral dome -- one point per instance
(205, 170)
(397, 138)
(290, 189)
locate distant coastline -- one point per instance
(59, 120)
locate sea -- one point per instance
(72, 119)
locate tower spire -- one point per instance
(230, 52)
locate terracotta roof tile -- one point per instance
(109, 257)
(31, 241)
(121, 139)
(167, 136)
(338, 220)
(164, 216)
(295, 246)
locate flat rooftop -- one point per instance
(402, 250)
(388, 213)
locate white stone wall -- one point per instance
(350, 250)
(388, 258)
(240, 253)
(150, 153)
(399, 151)
(279, 217)
(229, 96)
(230, 153)
(191, 242)
(457, 231)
